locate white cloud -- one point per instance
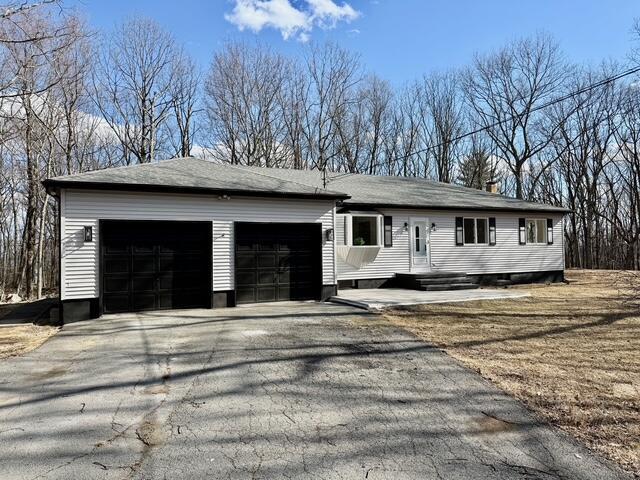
(289, 20)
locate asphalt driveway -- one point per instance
(296, 390)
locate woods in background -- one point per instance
(72, 100)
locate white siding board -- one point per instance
(507, 256)
(85, 208)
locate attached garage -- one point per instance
(155, 265)
(278, 261)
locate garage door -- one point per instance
(155, 265)
(277, 261)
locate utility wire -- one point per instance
(580, 91)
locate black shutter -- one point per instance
(388, 231)
(459, 231)
(549, 231)
(522, 231)
(492, 230)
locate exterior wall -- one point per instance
(81, 208)
(507, 256)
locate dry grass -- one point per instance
(20, 339)
(571, 353)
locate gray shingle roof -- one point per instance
(191, 175)
(370, 190)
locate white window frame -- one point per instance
(535, 223)
(475, 231)
(348, 229)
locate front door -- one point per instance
(419, 244)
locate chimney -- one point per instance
(491, 186)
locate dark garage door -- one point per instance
(278, 261)
(155, 265)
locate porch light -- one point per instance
(328, 234)
(405, 227)
(88, 234)
(433, 227)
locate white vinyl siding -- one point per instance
(507, 256)
(81, 208)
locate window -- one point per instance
(469, 230)
(537, 231)
(476, 230)
(364, 230)
(481, 230)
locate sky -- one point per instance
(398, 39)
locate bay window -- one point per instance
(361, 229)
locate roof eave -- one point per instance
(52, 186)
(541, 209)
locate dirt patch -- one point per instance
(570, 352)
(20, 339)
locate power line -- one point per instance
(580, 91)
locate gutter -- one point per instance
(542, 209)
(53, 186)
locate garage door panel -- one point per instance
(180, 262)
(144, 301)
(118, 246)
(116, 264)
(143, 263)
(266, 294)
(176, 281)
(116, 284)
(155, 265)
(117, 303)
(143, 283)
(244, 277)
(267, 277)
(246, 260)
(245, 295)
(284, 262)
(266, 260)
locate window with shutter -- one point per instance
(549, 231)
(388, 231)
(522, 231)
(492, 230)
(459, 231)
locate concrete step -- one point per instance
(443, 280)
(426, 275)
(445, 287)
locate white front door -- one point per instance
(419, 234)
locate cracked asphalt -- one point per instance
(294, 390)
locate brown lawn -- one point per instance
(20, 339)
(570, 352)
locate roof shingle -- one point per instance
(354, 189)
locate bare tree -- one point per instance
(506, 88)
(133, 87)
(242, 93)
(184, 96)
(33, 68)
(442, 121)
(333, 75)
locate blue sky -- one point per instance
(398, 39)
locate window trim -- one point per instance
(535, 223)
(475, 231)
(348, 229)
